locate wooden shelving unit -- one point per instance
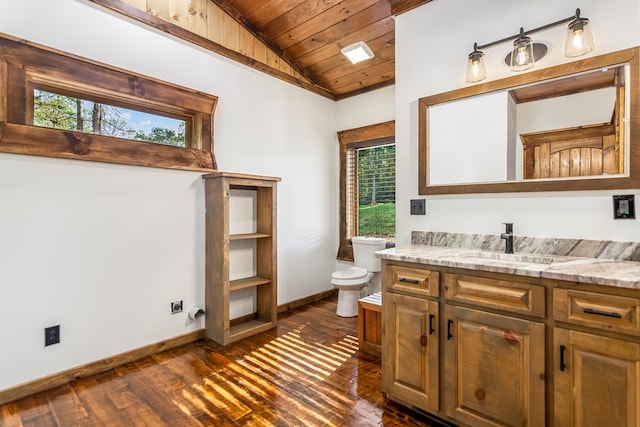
(218, 186)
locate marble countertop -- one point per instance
(608, 272)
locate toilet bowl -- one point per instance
(354, 282)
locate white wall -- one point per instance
(102, 249)
(442, 33)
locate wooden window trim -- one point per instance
(25, 66)
(366, 136)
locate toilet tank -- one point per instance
(363, 249)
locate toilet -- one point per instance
(351, 282)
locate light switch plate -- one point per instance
(624, 207)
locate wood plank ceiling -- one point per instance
(309, 34)
(298, 41)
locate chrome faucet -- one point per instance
(508, 237)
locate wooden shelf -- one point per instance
(218, 286)
(249, 328)
(247, 236)
(249, 282)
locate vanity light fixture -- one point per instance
(579, 39)
(357, 52)
(476, 70)
(525, 52)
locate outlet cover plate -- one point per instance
(176, 307)
(51, 335)
(624, 207)
(418, 207)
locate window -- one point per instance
(367, 184)
(59, 111)
(58, 105)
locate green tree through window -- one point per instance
(377, 191)
(65, 112)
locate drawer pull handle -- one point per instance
(449, 334)
(602, 313)
(563, 365)
(413, 281)
(423, 340)
(431, 330)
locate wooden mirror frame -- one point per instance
(629, 56)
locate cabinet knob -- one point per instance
(423, 340)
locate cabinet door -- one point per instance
(494, 369)
(410, 350)
(596, 380)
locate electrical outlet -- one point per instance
(176, 307)
(417, 207)
(51, 335)
(624, 207)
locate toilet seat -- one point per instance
(353, 276)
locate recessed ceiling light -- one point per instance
(357, 52)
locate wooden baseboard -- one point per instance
(307, 300)
(55, 380)
(61, 378)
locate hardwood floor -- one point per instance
(306, 372)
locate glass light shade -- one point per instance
(522, 54)
(476, 70)
(579, 40)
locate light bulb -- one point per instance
(523, 56)
(475, 68)
(577, 39)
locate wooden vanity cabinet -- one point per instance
(464, 346)
(596, 370)
(411, 356)
(494, 364)
(494, 350)
(410, 336)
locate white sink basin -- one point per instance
(519, 258)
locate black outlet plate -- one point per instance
(418, 207)
(51, 335)
(624, 207)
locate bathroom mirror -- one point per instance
(573, 126)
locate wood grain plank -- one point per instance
(266, 10)
(401, 6)
(329, 56)
(303, 13)
(197, 20)
(356, 21)
(37, 141)
(215, 23)
(319, 22)
(365, 77)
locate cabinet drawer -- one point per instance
(414, 281)
(601, 311)
(516, 297)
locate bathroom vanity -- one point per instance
(483, 338)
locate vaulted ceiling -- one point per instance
(309, 35)
(306, 36)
